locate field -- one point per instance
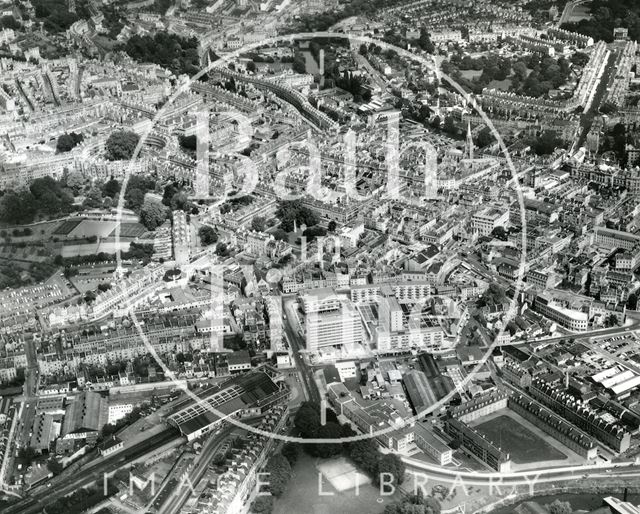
(66, 227)
(523, 445)
(320, 497)
(129, 230)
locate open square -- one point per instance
(523, 445)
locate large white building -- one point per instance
(333, 328)
(486, 220)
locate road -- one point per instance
(297, 344)
(178, 497)
(30, 389)
(457, 476)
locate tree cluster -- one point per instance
(355, 85)
(415, 504)
(290, 211)
(153, 214)
(207, 235)
(120, 145)
(312, 232)
(364, 453)
(66, 142)
(178, 54)
(559, 507)
(607, 15)
(137, 187)
(545, 143)
(45, 198)
(55, 14)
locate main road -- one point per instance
(297, 344)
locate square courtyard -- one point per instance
(523, 445)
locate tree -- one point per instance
(312, 232)
(500, 233)
(188, 142)
(290, 211)
(262, 505)
(207, 235)
(364, 453)
(75, 181)
(26, 455)
(258, 224)
(611, 321)
(330, 430)
(307, 419)
(17, 207)
(153, 215)
(111, 188)
(251, 66)
(580, 59)
(546, 143)
(390, 465)
(291, 451)
(485, 138)
(280, 235)
(332, 226)
(279, 471)
(54, 466)
(299, 64)
(222, 250)
(559, 507)
(632, 301)
(178, 54)
(67, 142)
(121, 144)
(414, 504)
(450, 126)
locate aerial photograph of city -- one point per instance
(319, 256)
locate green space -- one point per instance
(66, 227)
(607, 15)
(303, 490)
(178, 54)
(523, 445)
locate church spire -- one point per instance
(469, 143)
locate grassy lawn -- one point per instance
(524, 445)
(303, 490)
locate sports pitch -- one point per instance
(523, 445)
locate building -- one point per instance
(486, 220)
(239, 361)
(110, 446)
(480, 406)
(419, 391)
(333, 327)
(554, 425)
(85, 415)
(556, 311)
(477, 444)
(181, 233)
(246, 396)
(580, 414)
(432, 445)
(612, 239)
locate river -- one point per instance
(586, 501)
(310, 63)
